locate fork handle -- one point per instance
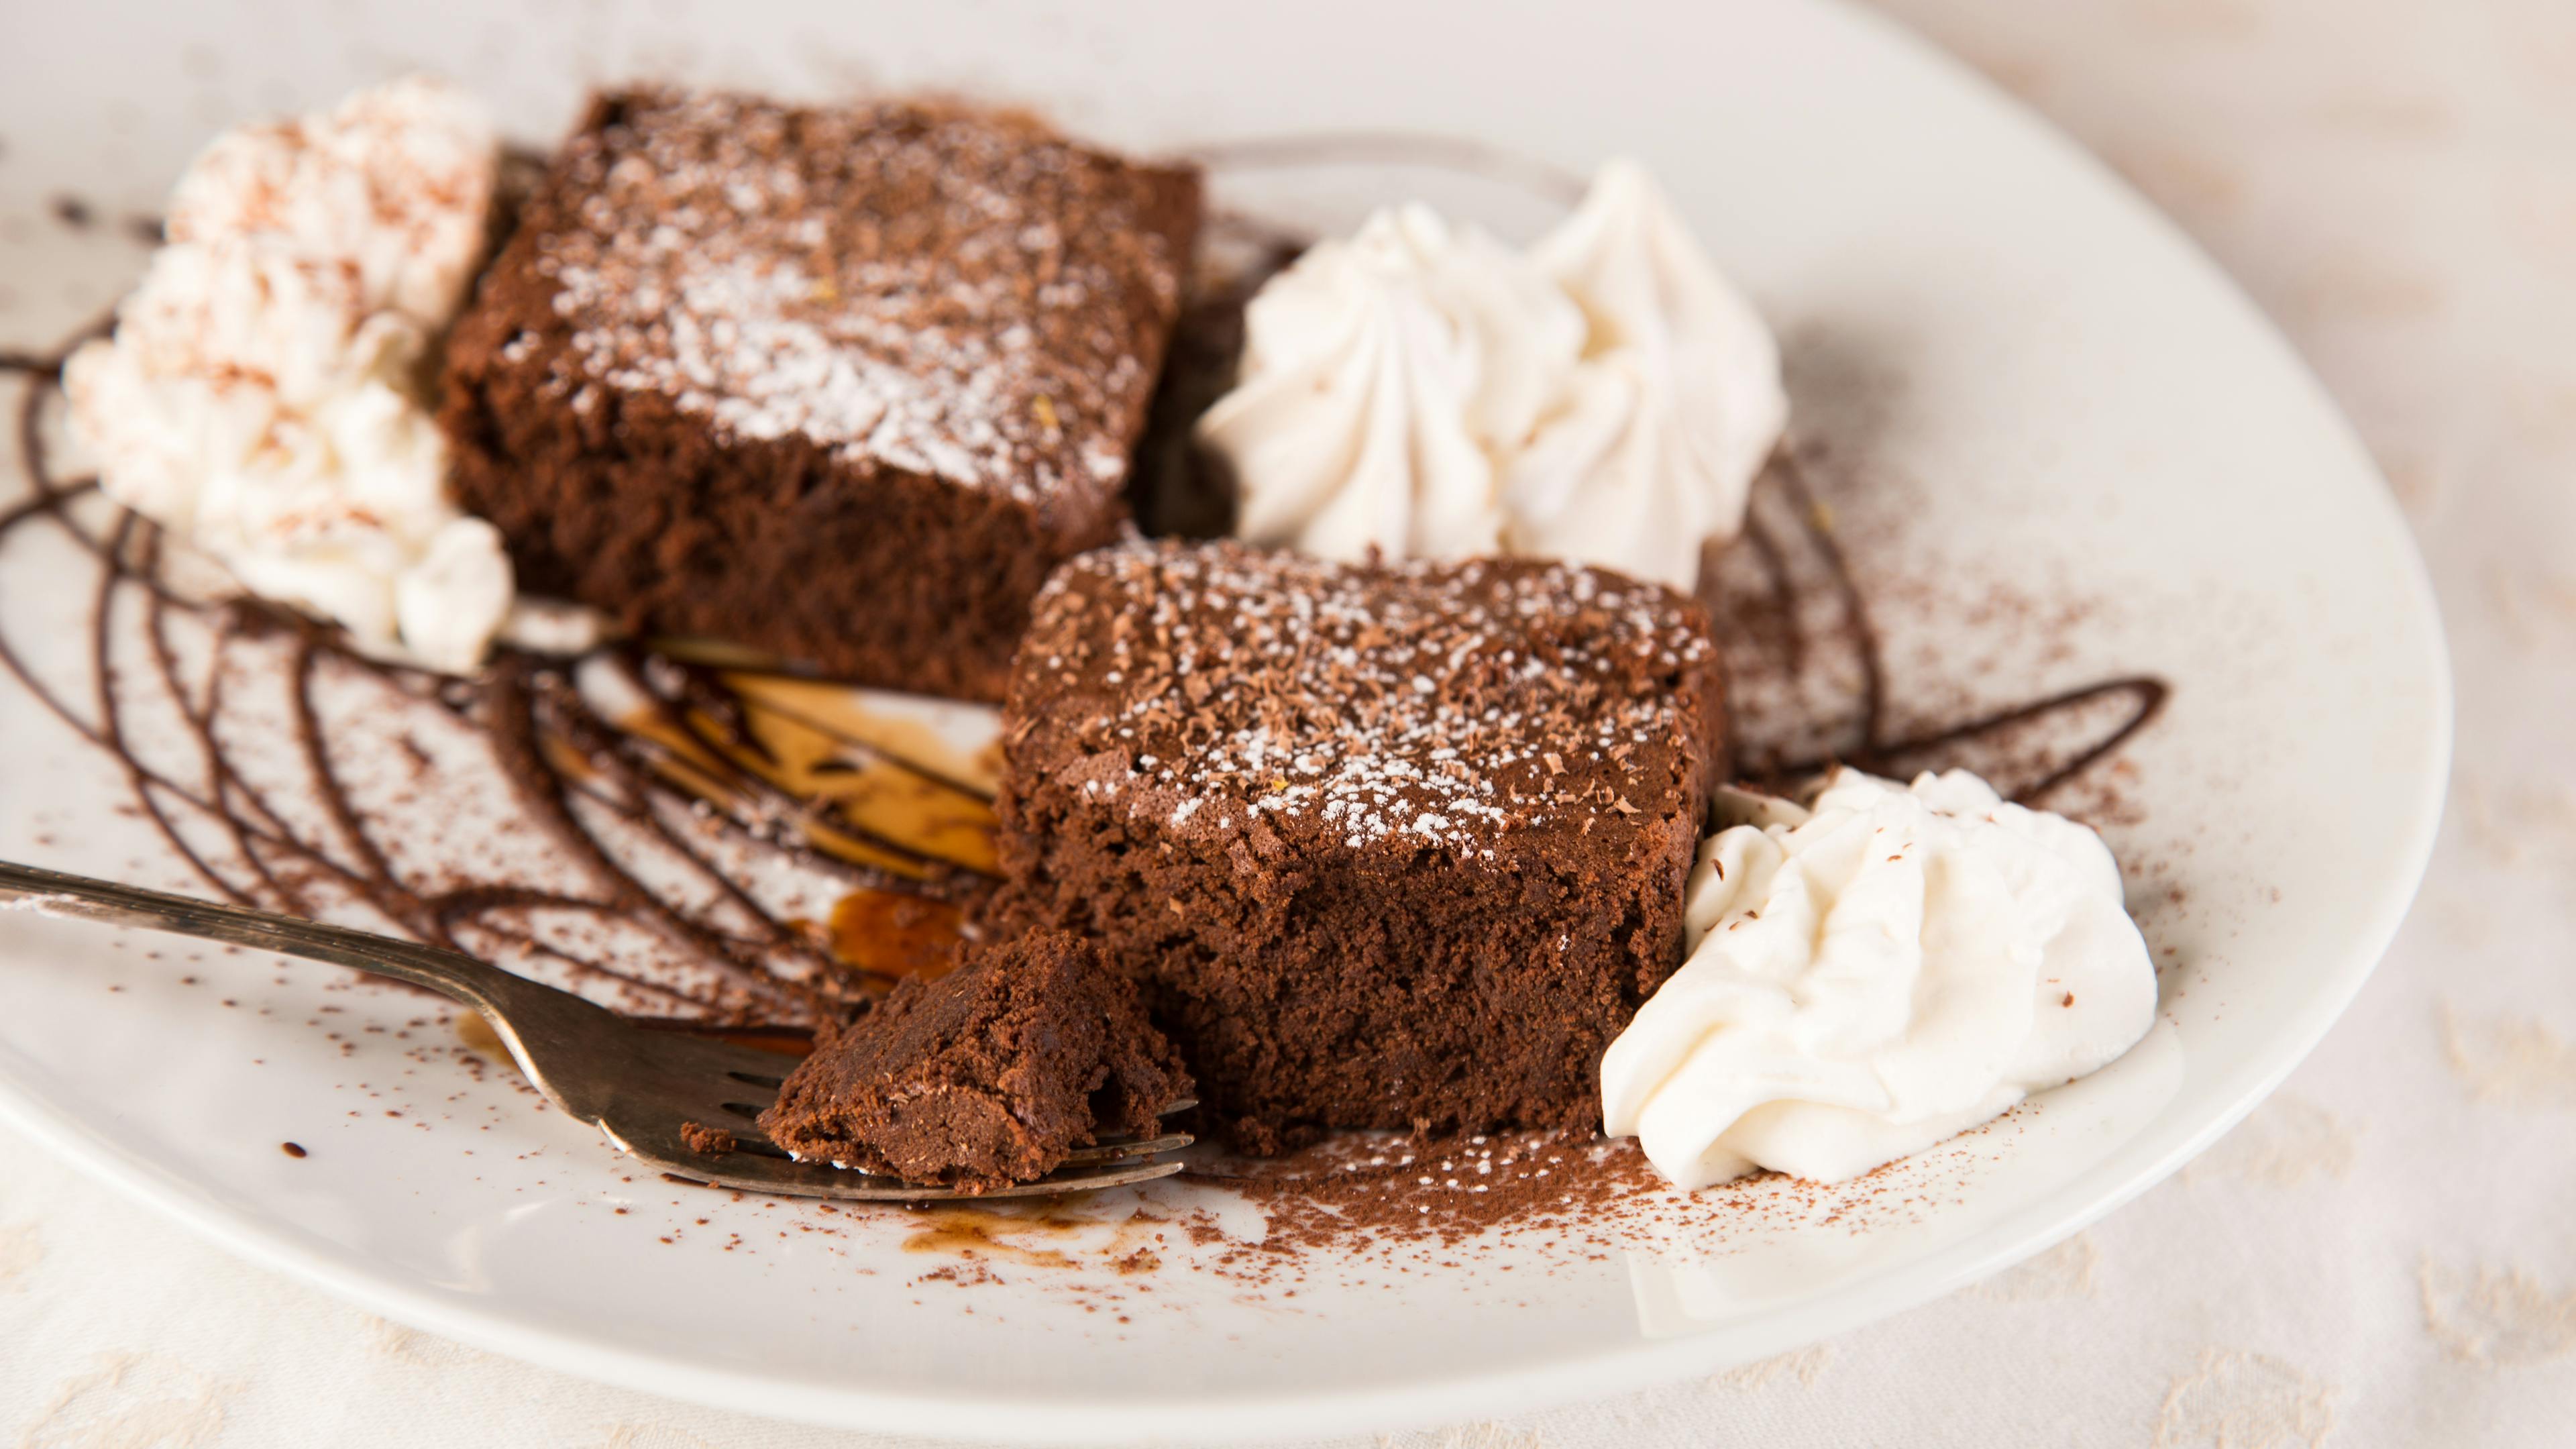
(450, 973)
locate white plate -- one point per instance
(2024, 377)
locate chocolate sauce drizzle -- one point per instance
(604, 793)
(688, 780)
(1766, 633)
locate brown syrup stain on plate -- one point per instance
(883, 796)
(890, 934)
(842, 799)
(986, 1234)
(1003, 1234)
(834, 709)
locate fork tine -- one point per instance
(810, 1179)
(726, 1059)
(1118, 1149)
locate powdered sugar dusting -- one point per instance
(1220, 687)
(945, 292)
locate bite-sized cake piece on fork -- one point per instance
(840, 384)
(990, 1075)
(1387, 847)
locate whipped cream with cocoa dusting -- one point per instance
(263, 395)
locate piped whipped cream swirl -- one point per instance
(1652, 447)
(1422, 390)
(1874, 975)
(1381, 378)
(264, 393)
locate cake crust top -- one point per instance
(951, 292)
(1469, 707)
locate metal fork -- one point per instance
(635, 1084)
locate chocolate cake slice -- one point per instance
(987, 1076)
(1395, 847)
(839, 384)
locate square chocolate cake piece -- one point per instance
(1398, 847)
(840, 384)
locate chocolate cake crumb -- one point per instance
(707, 1141)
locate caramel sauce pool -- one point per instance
(985, 1234)
(888, 934)
(978, 1232)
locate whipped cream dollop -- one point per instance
(1653, 447)
(1900, 965)
(1381, 377)
(264, 394)
(1423, 390)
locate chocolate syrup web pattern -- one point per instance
(694, 760)
(671, 818)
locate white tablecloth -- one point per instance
(2384, 1254)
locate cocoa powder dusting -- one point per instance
(1390, 1188)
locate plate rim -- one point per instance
(2033, 1227)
